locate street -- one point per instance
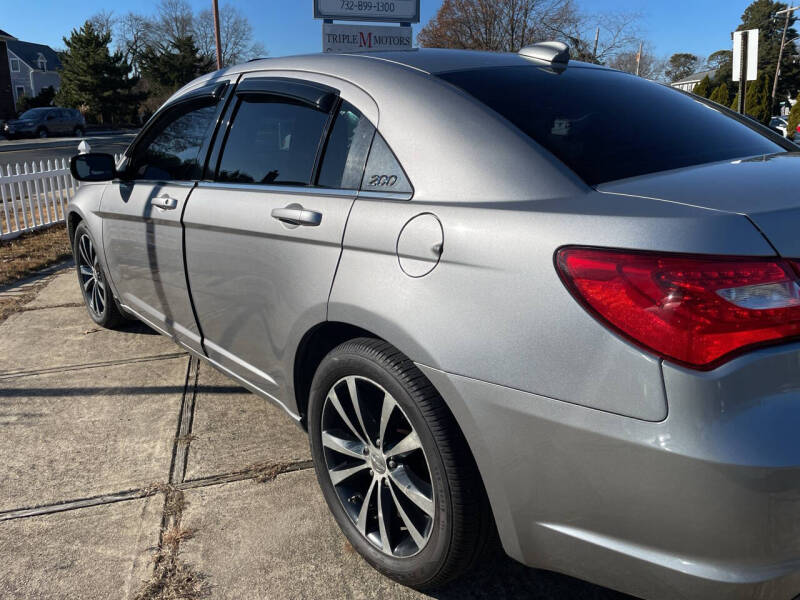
(27, 150)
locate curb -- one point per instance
(58, 142)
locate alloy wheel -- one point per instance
(91, 275)
(377, 465)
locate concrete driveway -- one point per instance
(130, 470)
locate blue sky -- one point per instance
(287, 27)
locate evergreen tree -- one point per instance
(794, 119)
(95, 80)
(757, 99)
(721, 95)
(703, 88)
(735, 104)
(168, 69)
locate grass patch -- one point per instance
(30, 252)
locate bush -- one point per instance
(43, 98)
(721, 95)
(702, 88)
(794, 119)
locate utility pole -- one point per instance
(216, 33)
(639, 58)
(788, 12)
(596, 39)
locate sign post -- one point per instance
(745, 61)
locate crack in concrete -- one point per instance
(65, 305)
(152, 490)
(94, 365)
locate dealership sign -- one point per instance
(392, 11)
(362, 38)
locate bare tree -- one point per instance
(498, 25)
(507, 25)
(236, 35)
(104, 22)
(174, 21)
(650, 66)
(135, 33)
(619, 33)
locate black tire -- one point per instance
(462, 521)
(106, 314)
(78, 132)
(42, 133)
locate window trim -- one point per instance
(127, 175)
(263, 86)
(213, 92)
(11, 61)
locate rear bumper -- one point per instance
(705, 504)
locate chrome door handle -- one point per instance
(165, 203)
(295, 215)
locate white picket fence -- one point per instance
(34, 195)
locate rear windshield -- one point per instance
(607, 125)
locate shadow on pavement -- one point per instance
(503, 577)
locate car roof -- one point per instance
(428, 60)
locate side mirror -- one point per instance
(93, 166)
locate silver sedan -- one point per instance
(500, 296)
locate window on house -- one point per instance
(15, 65)
(20, 92)
(42, 62)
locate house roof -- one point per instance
(29, 54)
(4, 35)
(697, 76)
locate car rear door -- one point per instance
(264, 232)
(142, 232)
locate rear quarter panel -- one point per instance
(494, 308)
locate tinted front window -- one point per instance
(34, 113)
(607, 125)
(272, 140)
(171, 151)
(346, 150)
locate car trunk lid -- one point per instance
(766, 189)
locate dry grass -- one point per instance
(30, 252)
(31, 214)
(173, 580)
(8, 306)
(264, 472)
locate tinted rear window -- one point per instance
(607, 125)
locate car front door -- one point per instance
(142, 232)
(264, 233)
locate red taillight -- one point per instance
(695, 310)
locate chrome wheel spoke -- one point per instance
(386, 413)
(419, 540)
(350, 448)
(351, 387)
(384, 519)
(84, 247)
(407, 444)
(339, 475)
(361, 522)
(410, 490)
(85, 271)
(89, 283)
(333, 398)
